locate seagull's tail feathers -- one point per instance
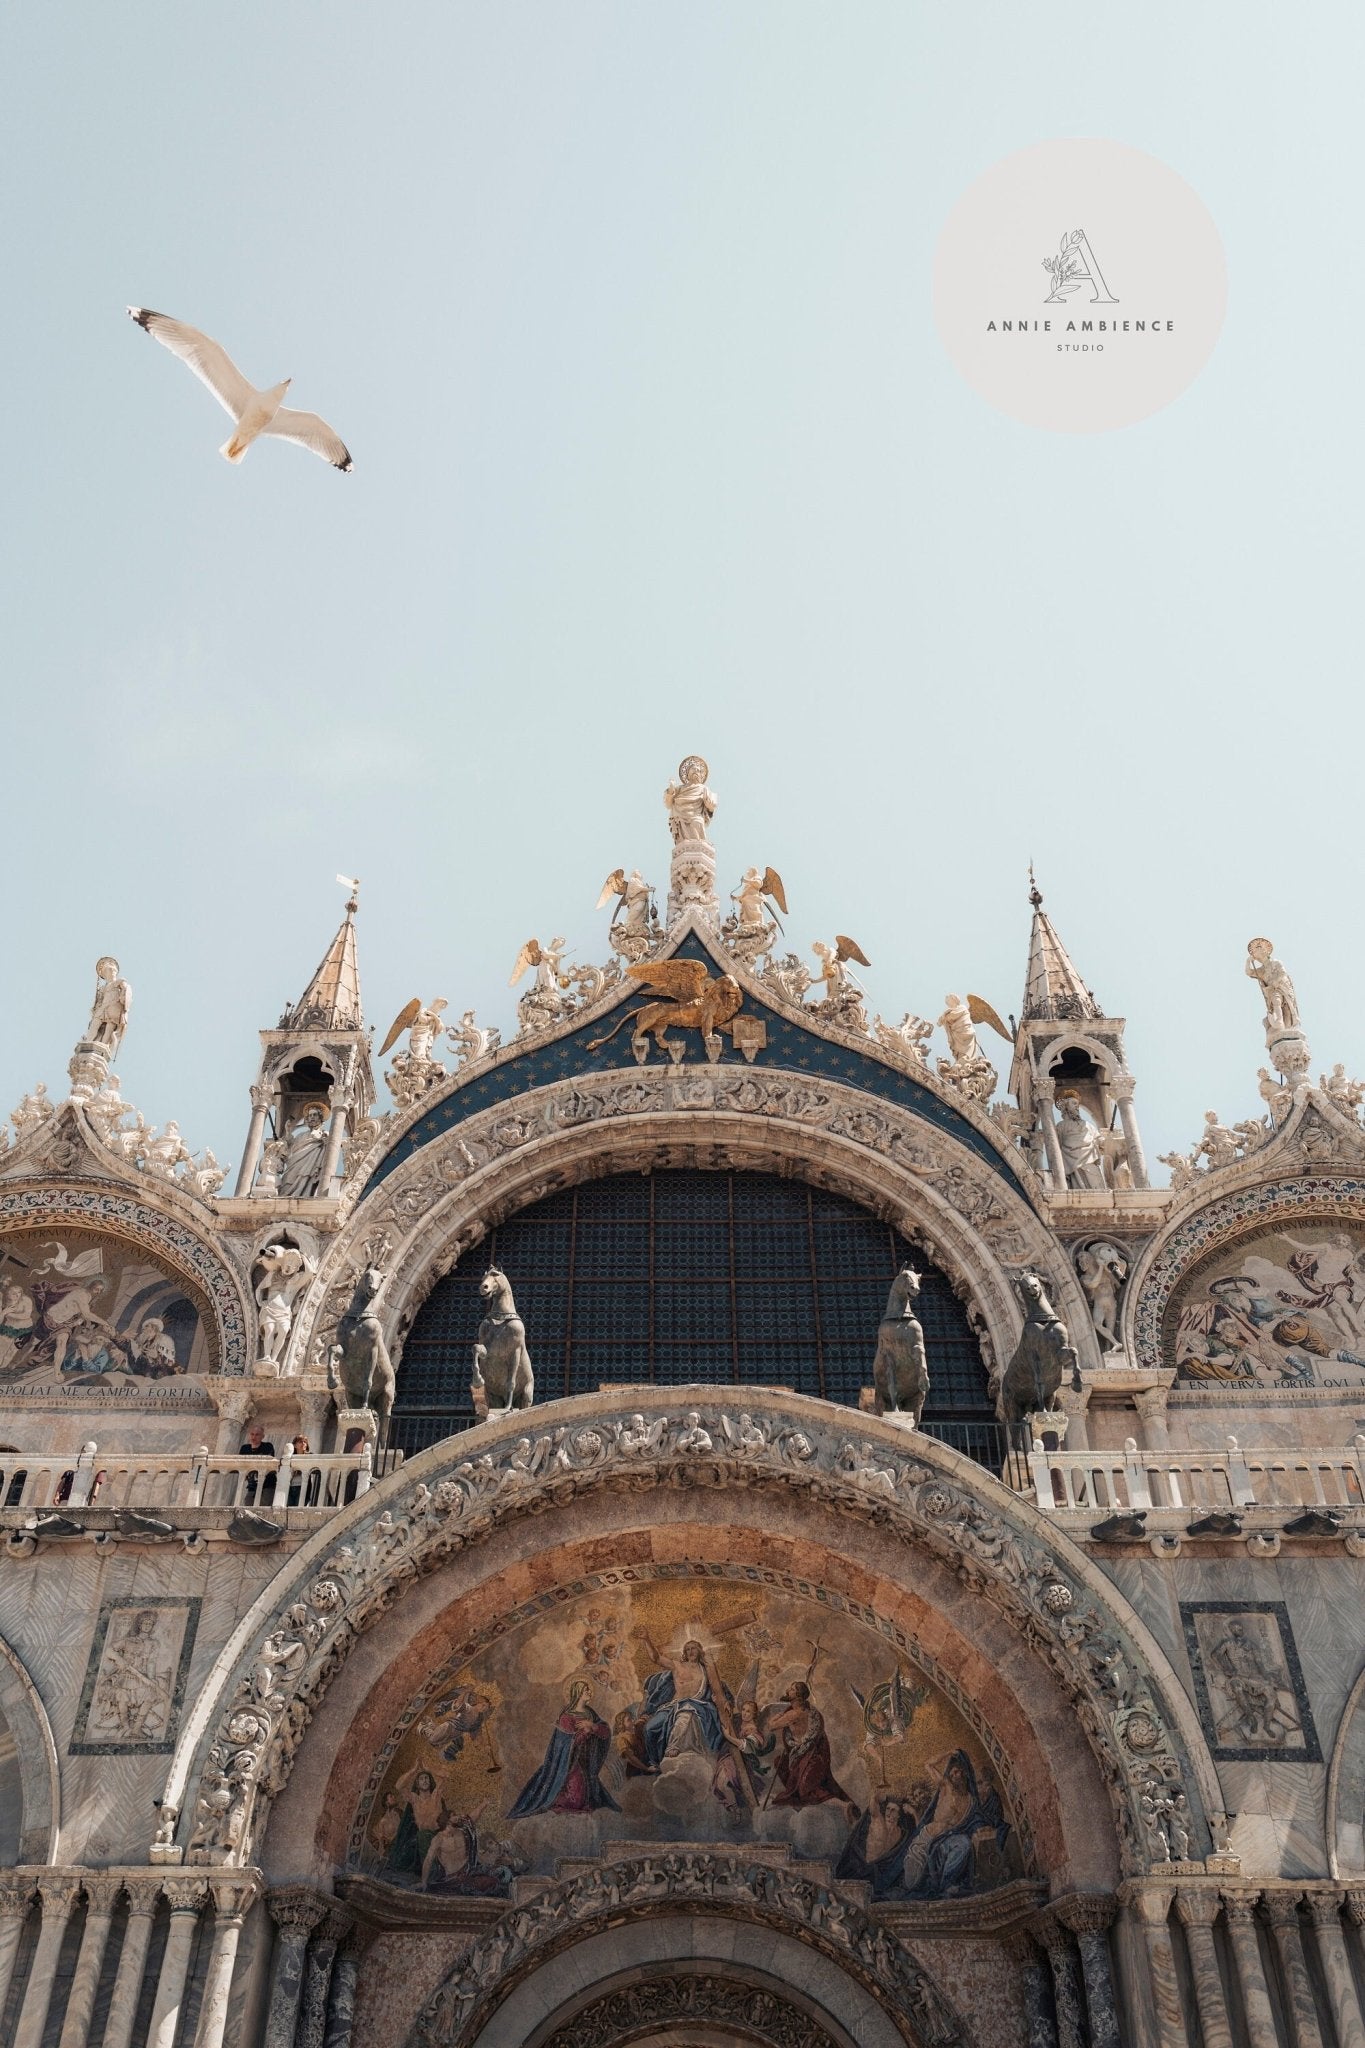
(234, 449)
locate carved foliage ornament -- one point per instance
(772, 1894)
(401, 1534)
(661, 2002)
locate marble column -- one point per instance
(1150, 1403)
(1198, 1910)
(246, 1173)
(1325, 1908)
(1034, 1986)
(296, 1912)
(185, 1896)
(232, 1901)
(1153, 1909)
(329, 1182)
(317, 1978)
(1240, 1911)
(144, 1896)
(16, 1896)
(1121, 1087)
(58, 1896)
(101, 1896)
(1089, 1916)
(1045, 1089)
(1068, 1996)
(346, 1970)
(1282, 1911)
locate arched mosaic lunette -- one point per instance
(1200, 1231)
(236, 1749)
(772, 1895)
(102, 1209)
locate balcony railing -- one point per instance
(53, 1482)
(1196, 1481)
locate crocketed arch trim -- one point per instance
(236, 1748)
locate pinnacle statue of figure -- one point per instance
(691, 805)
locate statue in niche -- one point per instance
(689, 803)
(502, 1378)
(1277, 990)
(109, 1013)
(300, 1175)
(1082, 1151)
(364, 1368)
(900, 1373)
(1032, 1379)
(1103, 1269)
(285, 1271)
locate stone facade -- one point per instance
(711, 1712)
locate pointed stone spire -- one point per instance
(1052, 987)
(331, 1001)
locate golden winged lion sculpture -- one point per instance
(693, 999)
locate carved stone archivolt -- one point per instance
(610, 1893)
(660, 2003)
(237, 1747)
(972, 1220)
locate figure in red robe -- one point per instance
(805, 1774)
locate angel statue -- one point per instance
(471, 1040)
(414, 1072)
(842, 999)
(109, 1012)
(634, 925)
(750, 895)
(689, 803)
(692, 999)
(543, 1003)
(968, 1068)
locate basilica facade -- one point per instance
(721, 1520)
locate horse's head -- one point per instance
(494, 1285)
(1030, 1288)
(904, 1292)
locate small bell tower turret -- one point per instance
(1070, 1076)
(315, 1081)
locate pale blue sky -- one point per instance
(624, 312)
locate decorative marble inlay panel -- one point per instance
(1248, 1682)
(135, 1681)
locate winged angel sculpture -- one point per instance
(692, 999)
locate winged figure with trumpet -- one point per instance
(755, 892)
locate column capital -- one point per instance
(16, 1896)
(60, 1890)
(297, 1910)
(1152, 1903)
(102, 1890)
(233, 1897)
(144, 1891)
(1240, 1907)
(1325, 1907)
(1085, 1912)
(1121, 1085)
(338, 1924)
(1282, 1908)
(261, 1095)
(1044, 1087)
(184, 1894)
(1197, 1908)
(1354, 1903)
(1047, 1930)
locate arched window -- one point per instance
(678, 1276)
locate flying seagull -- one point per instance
(255, 412)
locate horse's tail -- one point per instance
(594, 1043)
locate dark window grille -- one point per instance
(677, 1276)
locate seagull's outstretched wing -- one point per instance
(311, 432)
(211, 364)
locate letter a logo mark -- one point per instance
(1076, 265)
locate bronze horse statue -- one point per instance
(502, 1378)
(900, 1373)
(365, 1369)
(1044, 1353)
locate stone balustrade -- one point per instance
(63, 1482)
(1198, 1482)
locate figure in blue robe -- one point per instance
(570, 1779)
(875, 1851)
(950, 1867)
